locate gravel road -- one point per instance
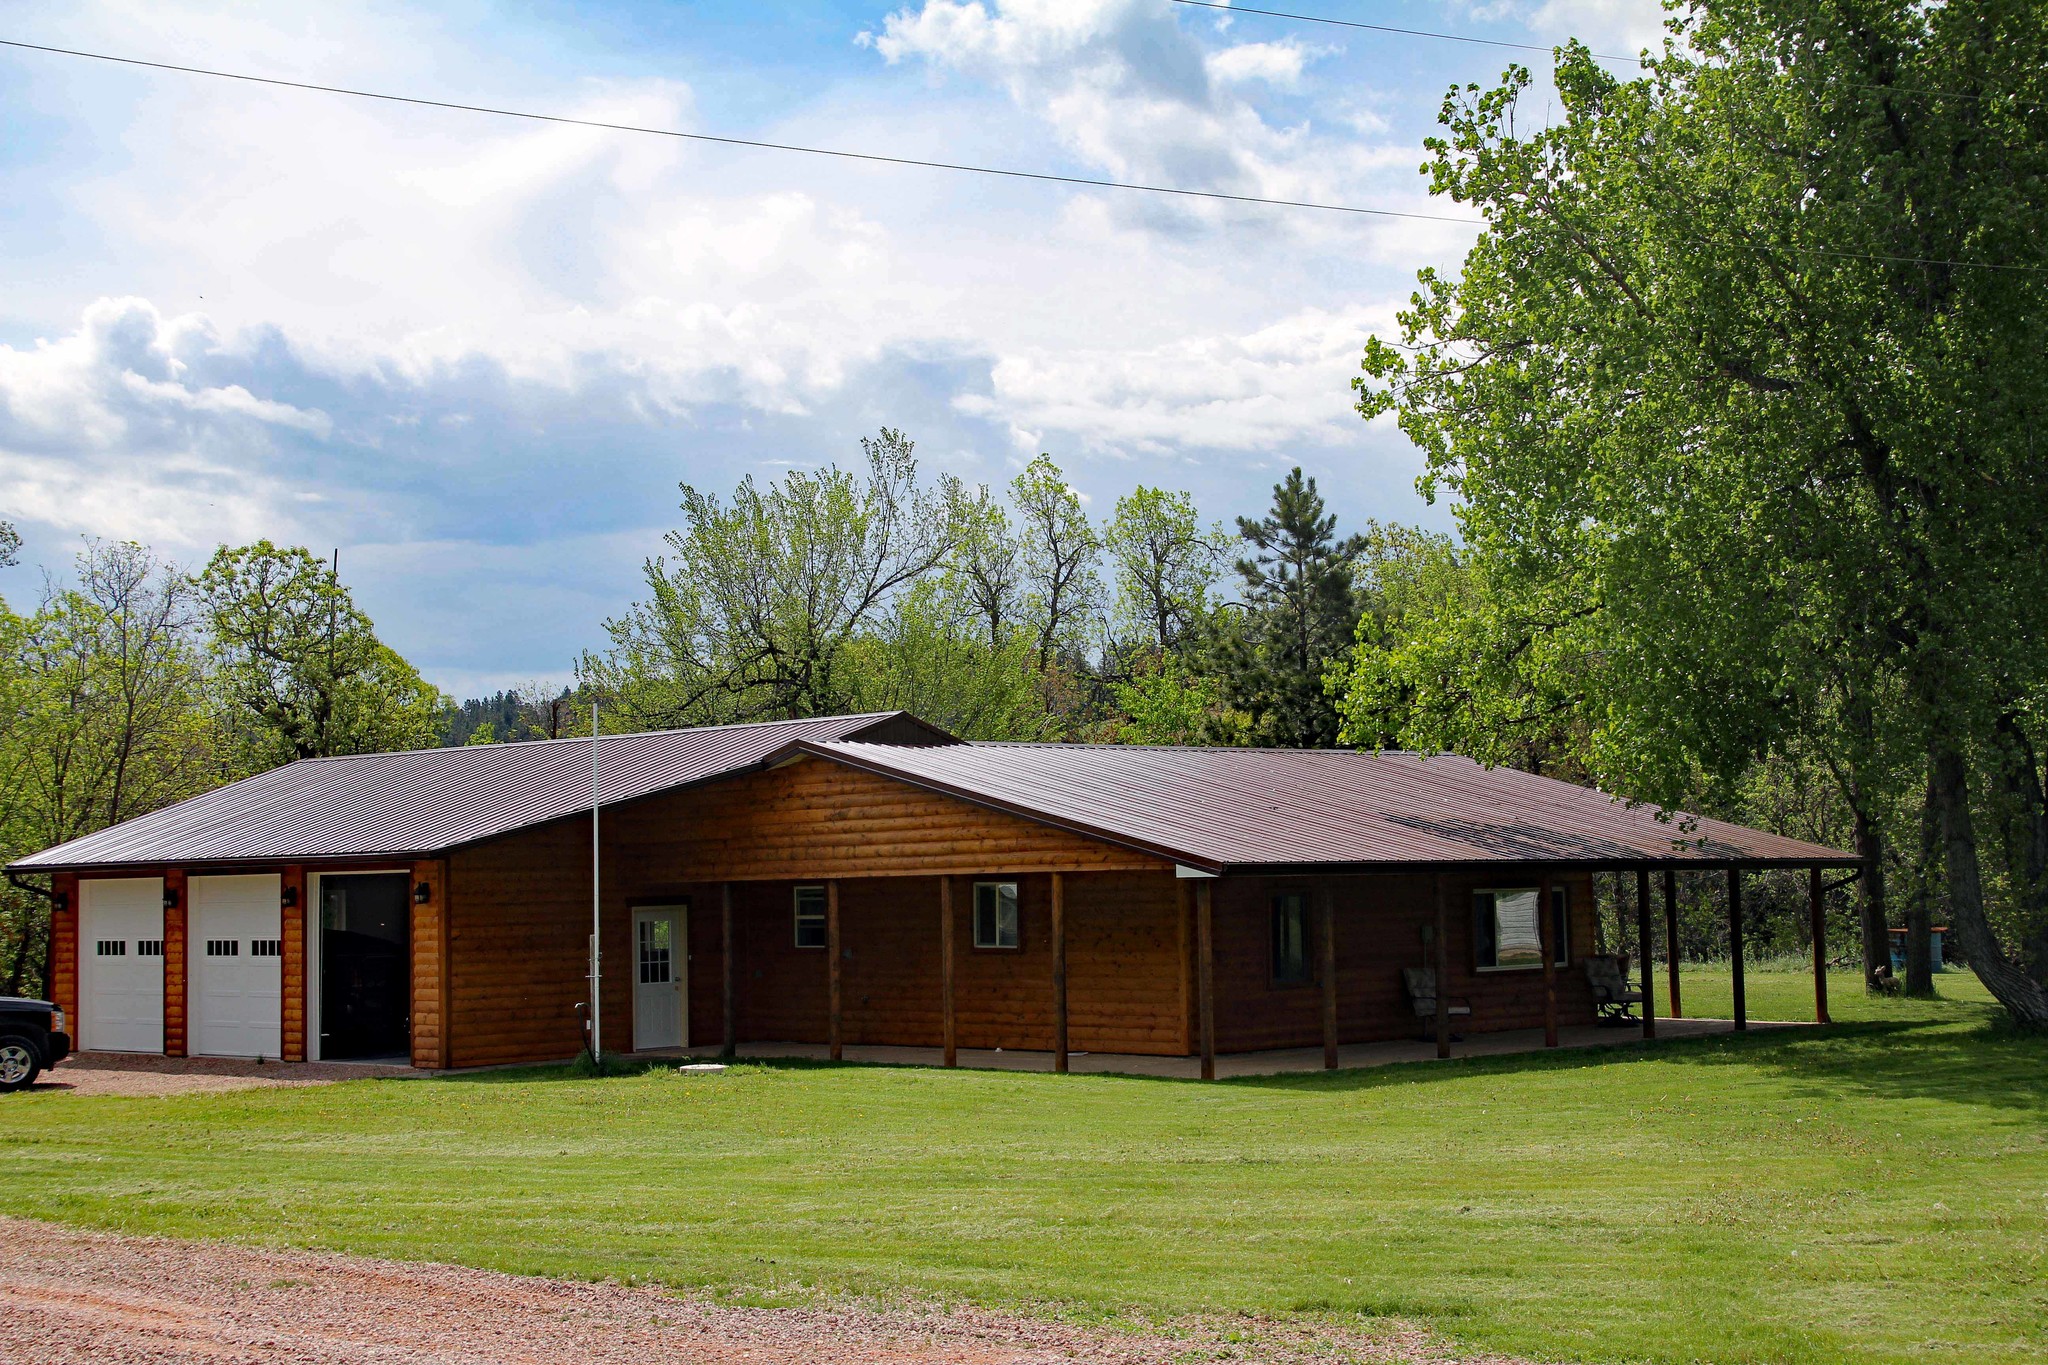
(73, 1297)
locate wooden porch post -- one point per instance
(729, 967)
(177, 951)
(1205, 974)
(1671, 939)
(1546, 935)
(1649, 976)
(951, 1037)
(832, 952)
(1327, 917)
(1443, 972)
(1817, 917)
(1735, 944)
(1059, 973)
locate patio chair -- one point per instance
(1612, 995)
(1421, 983)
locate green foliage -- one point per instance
(1300, 611)
(928, 657)
(1165, 564)
(10, 545)
(1059, 555)
(1165, 702)
(1742, 459)
(301, 669)
(751, 614)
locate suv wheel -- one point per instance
(20, 1062)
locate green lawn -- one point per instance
(1876, 1193)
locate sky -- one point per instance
(478, 355)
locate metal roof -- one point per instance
(423, 801)
(1243, 809)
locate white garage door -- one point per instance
(237, 974)
(121, 965)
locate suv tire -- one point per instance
(21, 1061)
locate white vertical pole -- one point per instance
(596, 905)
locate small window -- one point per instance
(149, 947)
(1291, 965)
(810, 917)
(111, 947)
(223, 947)
(1505, 934)
(995, 915)
(265, 947)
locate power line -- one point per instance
(875, 157)
(879, 158)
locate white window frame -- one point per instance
(1564, 939)
(1017, 924)
(822, 897)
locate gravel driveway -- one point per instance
(74, 1297)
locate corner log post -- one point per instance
(1326, 915)
(729, 976)
(1645, 969)
(1671, 940)
(177, 960)
(832, 1035)
(949, 1025)
(292, 911)
(1546, 934)
(1443, 969)
(1059, 974)
(1817, 919)
(1735, 946)
(1205, 974)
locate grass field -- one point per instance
(1875, 1193)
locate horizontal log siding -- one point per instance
(64, 950)
(1379, 923)
(292, 963)
(518, 925)
(429, 962)
(816, 818)
(1123, 964)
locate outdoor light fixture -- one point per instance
(170, 898)
(290, 897)
(60, 902)
(422, 893)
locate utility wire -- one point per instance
(879, 158)
(876, 157)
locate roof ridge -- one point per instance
(624, 734)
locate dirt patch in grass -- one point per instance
(116, 1073)
(76, 1297)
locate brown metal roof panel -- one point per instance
(426, 800)
(1263, 807)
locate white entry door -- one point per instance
(121, 964)
(237, 968)
(661, 994)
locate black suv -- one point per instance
(32, 1038)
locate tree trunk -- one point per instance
(1920, 909)
(1872, 909)
(2024, 997)
(2026, 837)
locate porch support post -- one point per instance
(729, 967)
(832, 952)
(1671, 939)
(1546, 933)
(1443, 970)
(1817, 917)
(1326, 915)
(947, 1028)
(1735, 945)
(1059, 973)
(1648, 974)
(1205, 974)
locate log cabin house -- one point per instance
(849, 880)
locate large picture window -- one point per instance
(1505, 934)
(810, 917)
(1291, 963)
(995, 915)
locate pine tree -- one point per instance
(1299, 610)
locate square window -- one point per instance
(1291, 963)
(995, 915)
(810, 917)
(1505, 934)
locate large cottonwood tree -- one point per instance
(1741, 395)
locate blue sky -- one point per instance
(478, 355)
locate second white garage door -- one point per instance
(237, 977)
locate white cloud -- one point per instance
(1278, 64)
